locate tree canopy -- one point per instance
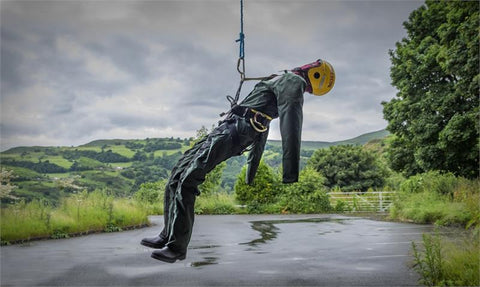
(348, 167)
(434, 116)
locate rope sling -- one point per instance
(241, 64)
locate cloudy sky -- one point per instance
(76, 71)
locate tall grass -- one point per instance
(444, 200)
(97, 211)
(216, 203)
(80, 213)
(150, 195)
(447, 262)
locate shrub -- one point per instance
(263, 190)
(433, 181)
(306, 196)
(150, 192)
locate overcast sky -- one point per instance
(76, 71)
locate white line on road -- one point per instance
(388, 243)
(385, 256)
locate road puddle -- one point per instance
(269, 231)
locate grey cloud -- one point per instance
(127, 54)
(191, 44)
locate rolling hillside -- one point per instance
(121, 166)
(360, 140)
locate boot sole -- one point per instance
(167, 259)
(151, 245)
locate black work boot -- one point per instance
(168, 255)
(154, 242)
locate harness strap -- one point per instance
(258, 120)
(234, 100)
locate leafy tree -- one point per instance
(151, 192)
(161, 144)
(436, 70)
(40, 166)
(133, 145)
(103, 156)
(349, 168)
(139, 156)
(263, 190)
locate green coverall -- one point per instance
(281, 97)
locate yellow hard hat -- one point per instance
(319, 75)
(322, 78)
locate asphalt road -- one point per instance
(290, 250)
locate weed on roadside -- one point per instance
(444, 262)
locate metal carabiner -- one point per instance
(241, 62)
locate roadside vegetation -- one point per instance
(445, 201)
(80, 213)
(447, 261)
(435, 142)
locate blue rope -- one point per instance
(242, 35)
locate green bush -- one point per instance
(150, 192)
(263, 190)
(433, 181)
(268, 195)
(150, 196)
(306, 196)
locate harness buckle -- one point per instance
(256, 124)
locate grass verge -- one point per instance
(81, 213)
(443, 200)
(448, 262)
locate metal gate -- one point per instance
(371, 201)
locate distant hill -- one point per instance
(309, 145)
(360, 140)
(122, 165)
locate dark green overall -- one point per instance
(281, 97)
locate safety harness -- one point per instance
(258, 120)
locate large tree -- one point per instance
(350, 168)
(434, 117)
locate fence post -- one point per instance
(381, 201)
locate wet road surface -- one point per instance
(236, 250)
